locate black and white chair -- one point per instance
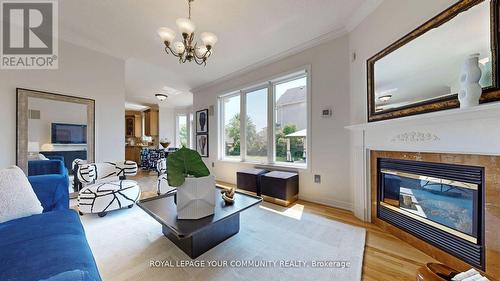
(105, 186)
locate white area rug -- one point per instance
(125, 241)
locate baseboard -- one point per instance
(328, 202)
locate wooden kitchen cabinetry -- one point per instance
(151, 126)
(133, 153)
(133, 124)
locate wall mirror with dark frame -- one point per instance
(420, 72)
(53, 127)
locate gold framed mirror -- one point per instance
(420, 72)
(54, 126)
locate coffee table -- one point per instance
(195, 237)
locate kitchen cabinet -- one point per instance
(133, 124)
(151, 126)
(133, 153)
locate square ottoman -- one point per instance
(280, 187)
(249, 180)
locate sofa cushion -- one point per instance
(42, 246)
(73, 275)
(17, 198)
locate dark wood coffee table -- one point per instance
(195, 237)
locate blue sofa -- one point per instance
(50, 181)
(48, 246)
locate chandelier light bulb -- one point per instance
(166, 34)
(208, 38)
(179, 47)
(185, 25)
(201, 51)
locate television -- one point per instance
(69, 133)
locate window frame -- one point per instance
(270, 84)
(191, 130)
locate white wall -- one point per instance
(167, 124)
(329, 155)
(82, 73)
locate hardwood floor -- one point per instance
(386, 257)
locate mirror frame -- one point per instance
(489, 94)
(22, 96)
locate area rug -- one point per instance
(273, 244)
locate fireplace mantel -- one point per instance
(469, 132)
(489, 110)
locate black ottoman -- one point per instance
(280, 187)
(249, 180)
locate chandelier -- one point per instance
(185, 50)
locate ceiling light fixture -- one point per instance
(385, 98)
(185, 50)
(484, 61)
(161, 97)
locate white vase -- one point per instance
(196, 198)
(470, 90)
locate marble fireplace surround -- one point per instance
(457, 136)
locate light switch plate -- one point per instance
(317, 178)
(326, 112)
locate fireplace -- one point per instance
(441, 204)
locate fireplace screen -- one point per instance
(447, 203)
(439, 203)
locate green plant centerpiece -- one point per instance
(195, 186)
(184, 163)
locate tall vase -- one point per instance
(470, 90)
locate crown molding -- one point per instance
(275, 58)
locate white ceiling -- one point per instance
(249, 31)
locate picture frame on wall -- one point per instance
(202, 121)
(202, 145)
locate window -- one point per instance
(256, 126)
(230, 113)
(267, 124)
(191, 131)
(290, 125)
(181, 138)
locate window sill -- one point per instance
(283, 166)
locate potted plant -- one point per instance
(195, 186)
